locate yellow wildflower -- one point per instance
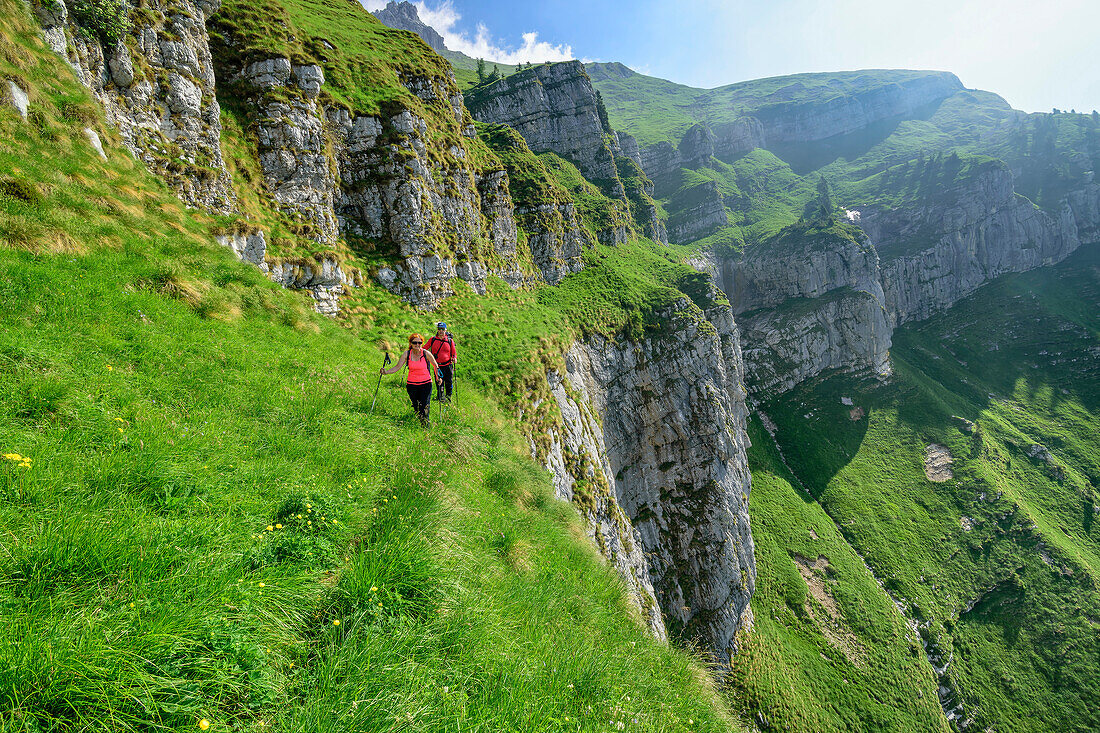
(373, 588)
(335, 622)
(204, 723)
(262, 585)
(278, 526)
(120, 430)
(13, 456)
(111, 369)
(270, 528)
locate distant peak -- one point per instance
(403, 16)
(610, 70)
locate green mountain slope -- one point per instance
(204, 519)
(1049, 154)
(996, 567)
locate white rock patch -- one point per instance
(937, 463)
(19, 99)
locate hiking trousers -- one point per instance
(447, 374)
(421, 396)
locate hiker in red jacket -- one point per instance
(442, 347)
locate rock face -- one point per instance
(291, 142)
(157, 87)
(557, 241)
(378, 177)
(675, 463)
(841, 114)
(845, 330)
(323, 277)
(553, 106)
(936, 253)
(768, 121)
(699, 211)
(808, 304)
(403, 15)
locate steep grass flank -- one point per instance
(828, 650)
(203, 519)
(998, 566)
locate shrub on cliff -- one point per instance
(107, 20)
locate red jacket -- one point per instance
(443, 349)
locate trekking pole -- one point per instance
(385, 364)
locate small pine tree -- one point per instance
(481, 71)
(495, 75)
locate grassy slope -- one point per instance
(174, 404)
(654, 109)
(1019, 359)
(808, 668)
(1049, 154)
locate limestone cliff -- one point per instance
(699, 210)
(808, 301)
(938, 250)
(554, 107)
(402, 178)
(157, 86)
(787, 121)
(674, 463)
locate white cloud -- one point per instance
(444, 18)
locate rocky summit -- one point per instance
(775, 404)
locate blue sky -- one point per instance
(1038, 54)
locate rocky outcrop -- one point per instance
(702, 141)
(157, 87)
(697, 146)
(845, 330)
(808, 302)
(14, 95)
(675, 462)
(739, 136)
(942, 248)
(553, 106)
(557, 239)
(384, 178)
(322, 276)
(293, 150)
(576, 456)
(699, 210)
(403, 15)
(801, 264)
